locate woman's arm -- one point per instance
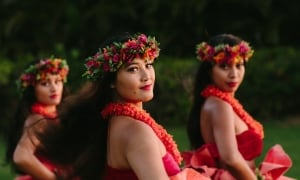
(144, 153)
(223, 127)
(24, 156)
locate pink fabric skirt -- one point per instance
(275, 164)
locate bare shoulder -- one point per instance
(130, 128)
(214, 104)
(217, 111)
(35, 121)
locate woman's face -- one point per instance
(135, 81)
(228, 77)
(49, 91)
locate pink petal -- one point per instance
(189, 174)
(276, 162)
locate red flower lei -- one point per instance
(39, 108)
(130, 110)
(237, 107)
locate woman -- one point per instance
(42, 87)
(221, 133)
(105, 133)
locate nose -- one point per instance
(233, 72)
(145, 75)
(53, 86)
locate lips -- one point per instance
(232, 84)
(147, 87)
(54, 96)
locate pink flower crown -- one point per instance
(110, 58)
(224, 53)
(38, 71)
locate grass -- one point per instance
(5, 173)
(286, 134)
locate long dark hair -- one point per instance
(202, 79)
(80, 141)
(16, 126)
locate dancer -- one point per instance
(105, 132)
(42, 87)
(223, 136)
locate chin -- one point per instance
(146, 99)
(55, 103)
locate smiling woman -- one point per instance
(118, 138)
(219, 128)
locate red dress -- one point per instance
(172, 158)
(51, 166)
(250, 145)
(38, 108)
(170, 165)
(205, 159)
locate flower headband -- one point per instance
(39, 71)
(110, 58)
(224, 53)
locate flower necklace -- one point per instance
(237, 107)
(41, 109)
(130, 110)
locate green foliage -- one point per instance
(35, 26)
(272, 83)
(5, 70)
(172, 90)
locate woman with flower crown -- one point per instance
(42, 88)
(224, 138)
(105, 133)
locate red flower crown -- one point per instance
(110, 58)
(224, 53)
(38, 71)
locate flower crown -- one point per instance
(39, 71)
(224, 53)
(110, 58)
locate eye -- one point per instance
(44, 83)
(149, 65)
(132, 69)
(224, 66)
(239, 65)
(58, 81)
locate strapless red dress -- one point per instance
(111, 173)
(205, 159)
(50, 165)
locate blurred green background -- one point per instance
(73, 29)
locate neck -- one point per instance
(138, 104)
(236, 106)
(131, 110)
(48, 111)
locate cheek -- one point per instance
(60, 88)
(40, 94)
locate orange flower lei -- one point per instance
(39, 108)
(130, 110)
(237, 107)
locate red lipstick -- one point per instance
(147, 87)
(232, 84)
